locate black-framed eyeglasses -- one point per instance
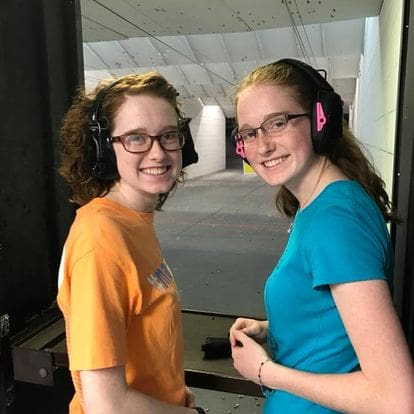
(140, 142)
(272, 127)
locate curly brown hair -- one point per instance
(347, 153)
(74, 131)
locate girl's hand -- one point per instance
(247, 355)
(189, 398)
(251, 327)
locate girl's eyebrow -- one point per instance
(144, 130)
(265, 118)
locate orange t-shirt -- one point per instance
(120, 302)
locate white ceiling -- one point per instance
(204, 47)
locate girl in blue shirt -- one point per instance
(335, 342)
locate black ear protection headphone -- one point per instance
(327, 112)
(100, 156)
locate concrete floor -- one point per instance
(221, 235)
(226, 403)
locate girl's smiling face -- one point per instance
(144, 176)
(286, 159)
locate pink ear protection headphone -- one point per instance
(327, 112)
(240, 148)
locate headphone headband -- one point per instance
(313, 74)
(94, 111)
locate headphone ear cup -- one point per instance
(106, 168)
(100, 156)
(238, 146)
(326, 121)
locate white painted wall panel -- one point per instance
(208, 131)
(377, 96)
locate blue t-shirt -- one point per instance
(340, 237)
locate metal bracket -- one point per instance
(4, 326)
(6, 366)
(33, 366)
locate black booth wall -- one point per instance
(41, 65)
(403, 197)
